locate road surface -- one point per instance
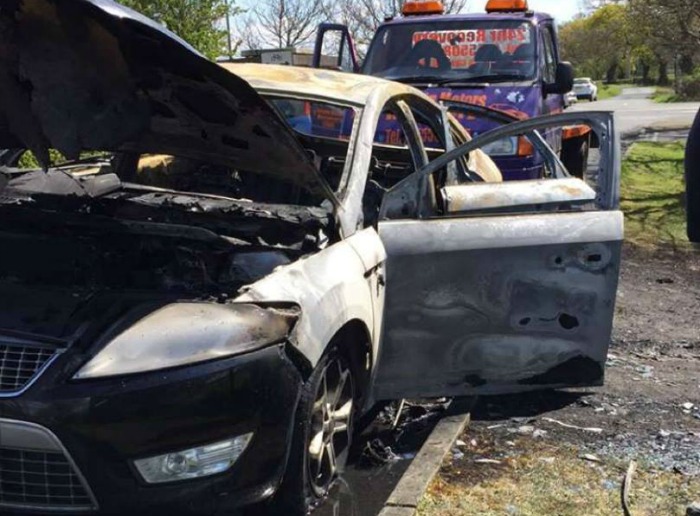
(635, 110)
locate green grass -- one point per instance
(664, 95)
(606, 91)
(653, 195)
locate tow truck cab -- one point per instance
(505, 59)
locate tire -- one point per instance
(322, 436)
(574, 155)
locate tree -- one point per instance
(291, 23)
(363, 17)
(601, 43)
(280, 23)
(196, 21)
(589, 6)
(672, 32)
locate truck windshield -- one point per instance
(453, 51)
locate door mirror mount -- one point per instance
(564, 81)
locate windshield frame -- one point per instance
(341, 192)
(439, 24)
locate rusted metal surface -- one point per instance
(354, 89)
(484, 196)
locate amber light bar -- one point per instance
(506, 6)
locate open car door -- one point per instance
(506, 287)
(335, 48)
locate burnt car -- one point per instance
(198, 301)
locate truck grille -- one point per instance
(20, 365)
(41, 480)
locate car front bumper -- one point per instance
(101, 426)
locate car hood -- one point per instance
(80, 75)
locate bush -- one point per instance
(688, 88)
(28, 160)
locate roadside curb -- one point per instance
(404, 499)
(660, 128)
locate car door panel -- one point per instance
(489, 303)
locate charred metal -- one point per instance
(197, 264)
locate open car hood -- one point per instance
(79, 75)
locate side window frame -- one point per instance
(401, 200)
(549, 55)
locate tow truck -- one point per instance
(506, 60)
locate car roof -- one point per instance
(340, 87)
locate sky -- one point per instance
(562, 10)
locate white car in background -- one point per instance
(570, 99)
(585, 88)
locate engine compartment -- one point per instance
(168, 265)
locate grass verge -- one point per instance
(542, 478)
(653, 195)
(663, 95)
(607, 91)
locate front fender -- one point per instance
(331, 287)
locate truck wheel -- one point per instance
(323, 431)
(574, 155)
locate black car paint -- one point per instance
(76, 268)
(83, 256)
(72, 305)
(106, 424)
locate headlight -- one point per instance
(504, 147)
(193, 463)
(513, 146)
(186, 333)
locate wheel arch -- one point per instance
(354, 341)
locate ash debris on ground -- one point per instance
(660, 435)
(395, 432)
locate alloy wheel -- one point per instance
(331, 426)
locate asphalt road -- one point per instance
(635, 110)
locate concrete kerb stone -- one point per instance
(415, 481)
(661, 127)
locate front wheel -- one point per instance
(322, 436)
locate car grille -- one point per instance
(20, 365)
(41, 480)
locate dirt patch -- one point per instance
(658, 303)
(566, 452)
